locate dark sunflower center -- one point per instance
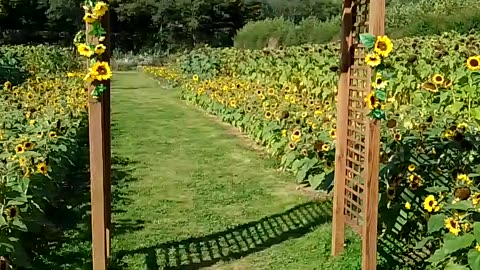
(474, 63)
(379, 81)
(453, 224)
(438, 79)
(12, 213)
(430, 203)
(42, 168)
(372, 99)
(382, 45)
(102, 70)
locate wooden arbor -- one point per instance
(100, 157)
(358, 136)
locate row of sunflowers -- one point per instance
(428, 91)
(42, 121)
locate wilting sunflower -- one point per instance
(7, 85)
(372, 60)
(383, 46)
(296, 135)
(100, 9)
(84, 50)
(291, 146)
(415, 181)
(11, 212)
(42, 168)
(473, 63)
(90, 18)
(19, 149)
(463, 193)
(101, 71)
(100, 49)
(464, 179)
(452, 225)
(438, 79)
(372, 101)
(430, 204)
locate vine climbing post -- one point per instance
(97, 49)
(358, 131)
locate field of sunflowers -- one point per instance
(42, 127)
(285, 99)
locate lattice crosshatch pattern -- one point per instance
(356, 172)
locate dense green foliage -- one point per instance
(285, 100)
(404, 18)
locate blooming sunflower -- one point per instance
(291, 146)
(463, 178)
(372, 60)
(195, 78)
(438, 79)
(90, 18)
(42, 168)
(296, 135)
(325, 147)
(383, 46)
(408, 206)
(452, 225)
(7, 85)
(379, 82)
(372, 101)
(333, 133)
(411, 167)
(52, 134)
(476, 198)
(19, 149)
(85, 50)
(100, 49)
(100, 9)
(101, 71)
(11, 212)
(430, 204)
(268, 114)
(473, 63)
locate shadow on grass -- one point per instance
(232, 243)
(67, 243)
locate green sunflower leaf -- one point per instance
(453, 266)
(381, 95)
(436, 189)
(457, 243)
(474, 259)
(368, 40)
(378, 114)
(436, 223)
(476, 231)
(439, 256)
(424, 241)
(462, 205)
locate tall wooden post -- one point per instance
(100, 167)
(358, 136)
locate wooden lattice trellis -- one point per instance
(358, 136)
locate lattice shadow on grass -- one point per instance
(233, 243)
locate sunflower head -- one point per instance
(52, 134)
(411, 167)
(101, 71)
(452, 225)
(373, 60)
(325, 147)
(195, 78)
(19, 149)
(42, 168)
(100, 49)
(11, 212)
(333, 133)
(430, 204)
(372, 101)
(291, 146)
(383, 46)
(90, 18)
(268, 114)
(7, 85)
(438, 79)
(100, 9)
(473, 63)
(296, 135)
(85, 50)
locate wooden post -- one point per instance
(372, 159)
(99, 136)
(338, 222)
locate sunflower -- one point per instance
(42, 168)
(397, 137)
(90, 18)
(52, 134)
(463, 178)
(325, 147)
(473, 63)
(383, 46)
(430, 204)
(233, 103)
(101, 71)
(438, 79)
(372, 101)
(271, 91)
(452, 225)
(462, 193)
(391, 123)
(85, 50)
(291, 146)
(333, 133)
(372, 60)
(391, 191)
(100, 9)
(411, 167)
(284, 133)
(30, 96)
(304, 114)
(296, 135)
(100, 49)
(195, 78)
(476, 198)
(7, 85)
(268, 114)
(379, 82)
(11, 212)
(293, 100)
(28, 145)
(449, 134)
(261, 97)
(19, 149)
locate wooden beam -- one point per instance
(372, 159)
(338, 222)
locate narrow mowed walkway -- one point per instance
(191, 194)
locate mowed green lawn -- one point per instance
(191, 193)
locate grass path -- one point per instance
(190, 194)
